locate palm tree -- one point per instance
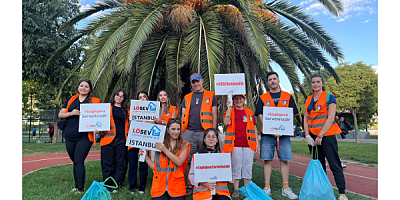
(155, 44)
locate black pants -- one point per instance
(114, 161)
(133, 167)
(329, 150)
(166, 196)
(220, 197)
(77, 152)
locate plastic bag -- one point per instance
(253, 192)
(316, 185)
(99, 191)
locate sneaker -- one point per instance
(288, 193)
(73, 190)
(343, 198)
(343, 165)
(235, 194)
(114, 191)
(141, 192)
(267, 190)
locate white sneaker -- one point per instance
(289, 193)
(141, 192)
(343, 198)
(267, 190)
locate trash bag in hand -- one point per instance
(253, 192)
(316, 185)
(99, 191)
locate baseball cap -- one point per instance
(244, 96)
(195, 76)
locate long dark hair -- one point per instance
(322, 78)
(90, 94)
(167, 104)
(124, 103)
(167, 138)
(203, 148)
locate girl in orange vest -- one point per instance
(241, 139)
(169, 165)
(167, 110)
(202, 190)
(321, 129)
(113, 148)
(77, 143)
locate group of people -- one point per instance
(196, 132)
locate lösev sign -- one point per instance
(144, 110)
(278, 120)
(145, 135)
(212, 167)
(94, 116)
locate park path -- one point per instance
(360, 180)
(33, 163)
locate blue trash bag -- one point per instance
(99, 191)
(253, 192)
(316, 185)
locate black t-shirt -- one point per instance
(72, 126)
(275, 97)
(194, 123)
(119, 120)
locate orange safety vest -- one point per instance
(283, 101)
(205, 111)
(168, 115)
(202, 192)
(94, 100)
(318, 116)
(230, 132)
(108, 136)
(168, 176)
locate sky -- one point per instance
(355, 30)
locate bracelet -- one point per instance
(308, 136)
(320, 136)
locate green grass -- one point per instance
(45, 183)
(364, 152)
(34, 149)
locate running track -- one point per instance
(361, 180)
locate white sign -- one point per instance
(145, 135)
(94, 116)
(212, 167)
(226, 84)
(144, 110)
(278, 120)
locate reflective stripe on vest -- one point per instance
(205, 110)
(217, 187)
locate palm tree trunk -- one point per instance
(353, 111)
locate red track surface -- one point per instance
(361, 180)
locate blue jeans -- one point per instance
(268, 144)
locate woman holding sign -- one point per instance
(241, 139)
(169, 165)
(113, 149)
(321, 130)
(133, 161)
(77, 143)
(202, 190)
(167, 110)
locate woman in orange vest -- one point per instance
(169, 165)
(202, 190)
(167, 110)
(241, 139)
(321, 129)
(113, 148)
(77, 143)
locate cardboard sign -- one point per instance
(278, 120)
(212, 167)
(144, 110)
(226, 84)
(145, 135)
(94, 116)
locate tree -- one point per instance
(156, 44)
(41, 21)
(357, 92)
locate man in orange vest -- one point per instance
(199, 112)
(276, 98)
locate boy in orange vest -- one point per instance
(199, 112)
(276, 98)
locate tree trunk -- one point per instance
(56, 130)
(353, 111)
